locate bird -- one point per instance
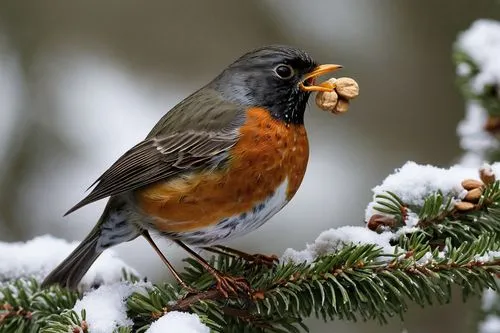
(216, 166)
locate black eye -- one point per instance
(284, 71)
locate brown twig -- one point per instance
(8, 311)
(186, 302)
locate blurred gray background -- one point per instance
(83, 81)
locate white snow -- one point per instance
(463, 69)
(490, 297)
(333, 240)
(411, 220)
(482, 43)
(37, 257)
(412, 183)
(473, 138)
(106, 306)
(488, 256)
(487, 170)
(178, 322)
(427, 258)
(472, 158)
(490, 325)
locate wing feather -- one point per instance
(156, 159)
(182, 140)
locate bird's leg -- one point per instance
(225, 284)
(257, 259)
(176, 275)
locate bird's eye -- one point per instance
(284, 71)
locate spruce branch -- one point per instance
(488, 97)
(353, 281)
(444, 216)
(27, 308)
(358, 282)
(474, 55)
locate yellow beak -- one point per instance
(318, 71)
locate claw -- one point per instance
(230, 285)
(226, 284)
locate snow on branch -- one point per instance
(481, 43)
(37, 257)
(477, 59)
(105, 306)
(178, 322)
(105, 291)
(412, 185)
(491, 312)
(419, 239)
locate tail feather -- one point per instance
(69, 273)
(111, 229)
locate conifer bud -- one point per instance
(378, 220)
(464, 206)
(486, 174)
(470, 184)
(473, 195)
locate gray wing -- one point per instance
(181, 140)
(158, 159)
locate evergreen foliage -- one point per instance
(357, 282)
(448, 246)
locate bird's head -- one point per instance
(277, 78)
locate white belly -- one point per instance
(237, 225)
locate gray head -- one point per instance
(278, 78)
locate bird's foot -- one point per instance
(230, 285)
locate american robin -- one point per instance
(217, 166)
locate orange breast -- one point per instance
(267, 153)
